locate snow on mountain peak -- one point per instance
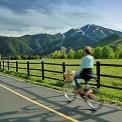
(91, 31)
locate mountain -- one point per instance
(94, 32)
(87, 35)
(97, 32)
(13, 46)
(113, 39)
(43, 44)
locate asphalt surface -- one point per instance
(14, 108)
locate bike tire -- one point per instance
(95, 103)
(68, 90)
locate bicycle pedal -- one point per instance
(85, 97)
(92, 97)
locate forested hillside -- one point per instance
(45, 44)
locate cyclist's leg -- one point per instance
(76, 78)
(77, 83)
(87, 79)
(88, 92)
(86, 85)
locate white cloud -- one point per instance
(52, 18)
(39, 21)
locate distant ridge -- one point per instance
(43, 44)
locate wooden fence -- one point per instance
(63, 65)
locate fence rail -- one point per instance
(111, 76)
(115, 65)
(15, 65)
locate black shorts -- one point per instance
(86, 74)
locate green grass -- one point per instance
(107, 94)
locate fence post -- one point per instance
(28, 71)
(16, 66)
(3, 64)
(98, 73)
(63, 66)
(42, 70)
(8, 64)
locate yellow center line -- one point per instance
(41, 105)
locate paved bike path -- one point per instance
(15, 109)
(52, 99)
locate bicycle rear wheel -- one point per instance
(68, 90)
(94, 102)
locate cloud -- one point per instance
(51, 18)
(45, 16)
(22, 5)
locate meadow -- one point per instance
(107, 94)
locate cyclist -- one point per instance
(86, 65)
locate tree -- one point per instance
(71, 54)
(107, 52)
(56, 55)
(98, 52)
(63, 52)
(24, 57)
(37, 57)
(0, 57)
(118, 51)
(78, 54)
(17, 57)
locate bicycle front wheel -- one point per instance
(69, 92)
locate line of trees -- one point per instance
(23, 57)
(105, 52)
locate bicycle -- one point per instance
(70, 94)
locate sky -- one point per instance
(21, 17)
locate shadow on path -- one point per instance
(71, 111)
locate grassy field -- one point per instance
(109, 95)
